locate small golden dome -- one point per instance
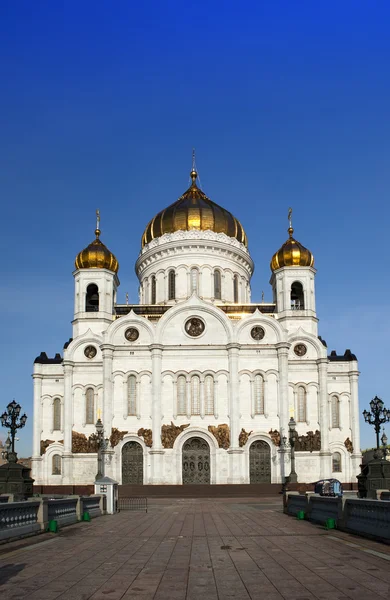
(292, 254)
(96, 256)
(194, 210)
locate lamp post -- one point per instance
(293, 477)
(384, 444)
(102, 444)
(284, 445)
(378, 415)
(10, 419)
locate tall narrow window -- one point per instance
(217, 285)
(209, 395)
(335, 412)
(259, 394)
(153, 294)
(56, 464)
(56, 414)
(336, 462)
(195, 395)
(297, 296)
(92, 298)
(235, 289)
(132, 395)
(181, 395)
(194, 281)
(90, 406)
(171, 285)
(301, 404)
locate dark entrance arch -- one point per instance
(260, 462)
(196, 461)
(132, 463)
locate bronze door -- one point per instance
(132, 463)
(196, 461)
(260, 462)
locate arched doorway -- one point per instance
(132, 463)
(196, 461)
(259, 462)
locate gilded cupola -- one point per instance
(97, 255)
(194, 211)
(292, 253)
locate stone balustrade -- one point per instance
(369, 518)
(18, 519)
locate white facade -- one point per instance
(223, 376)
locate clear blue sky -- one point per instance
(287, 103)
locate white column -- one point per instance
(235, 452)
(201, 398)
(355, 429)
(68, 421)
(325, 467)
(284, 416)
(107, 352)
(37, 378)
(156, 350)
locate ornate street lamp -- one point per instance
(10, 419)
(293, 477)
(384, 444)
(378, 415)
(102, 444)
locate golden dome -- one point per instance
(96, 256)
(194, 210)
(292, 254)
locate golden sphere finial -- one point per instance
(290, 231)
(97, 233)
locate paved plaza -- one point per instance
(196, 549)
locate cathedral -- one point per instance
(196, 384)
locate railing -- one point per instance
(367, 517)
(322, 508)
(63, 510)
(91, 504)
(19, 518)
(139, 503)
(296, 503)
(364, 517)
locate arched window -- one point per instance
(297, 296)
(235, 289)
(92, 298)
(336, 462)
(217, 285)
(301, 404)
(194, 281)
(335, 412)
(56, 465)
(171, 285)
(181, 395)
(153, 294)
(132, 395)
(209, 395)
(56, 414)
(195, 395)
(90, 406)
(258, 385)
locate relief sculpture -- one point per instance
(170, 432)
(116, 436)
(221, 434)
(81, 444)
(45, 444)
(243, 437)
(147, 435)
(309, 442)
(348, 444)
(275, 436)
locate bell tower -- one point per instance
(96, 283)
(293, 286)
